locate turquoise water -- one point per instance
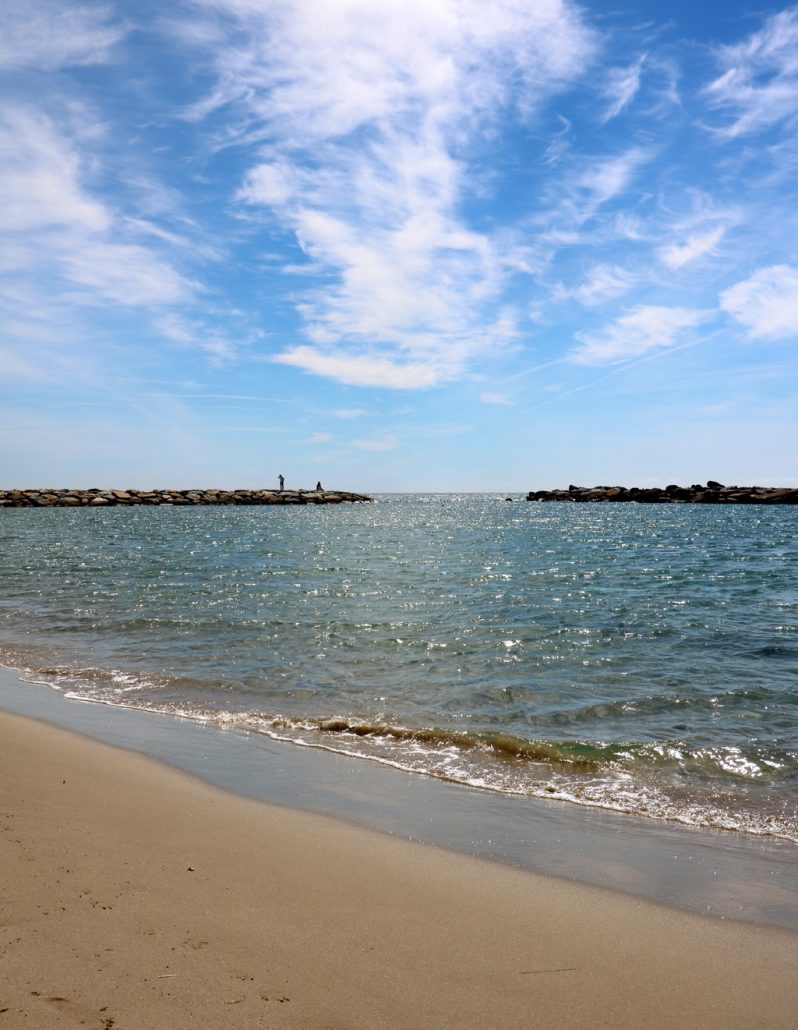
(642, 658)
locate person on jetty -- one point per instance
(318, 486)
(281, 480)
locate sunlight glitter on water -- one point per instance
(656, 640)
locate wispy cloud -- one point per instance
(50, 34)
(758, 86)
(603, 282)
(621, 88)
(676, 255)
(766, 303)
(582, 190)
(40, 172)
(363, 369)
(610, 176)
(365, 158)
(64, 247)
(123, 274)
(559, 144)
(643, 329)
(197, 335)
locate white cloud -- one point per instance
(500, 399)
(367, 114)
(578, 197)
(64, 250)
(319, 72)
(609, 177)
(758, 86)
(362, 369)
(695, 246)
(560, 143)
(766, 303)
(124, 274)
(621, 88)
(39, 173)
(643, 329)
(50, 34)
(196, 334)
(269, 184)
(630, 226)
(320, 438)
(603, 283)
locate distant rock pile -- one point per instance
(712, 493)
(119, 498)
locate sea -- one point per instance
(636, 658)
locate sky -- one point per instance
(398, 244)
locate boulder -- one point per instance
(784, 496)
(713, 493)
(98, 498)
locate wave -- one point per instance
(662, 704)
(747, 789)
(576, 757)
(502, 745)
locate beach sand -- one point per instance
(135, 896)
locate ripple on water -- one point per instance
(422, 631)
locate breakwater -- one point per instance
(96, 498)
(711, 493)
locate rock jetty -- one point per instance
(712, 493)
(96, 498)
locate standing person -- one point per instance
(318, 486)
(282, 482)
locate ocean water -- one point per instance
(640, 658)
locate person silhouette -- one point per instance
(318, 485)
(282, 482)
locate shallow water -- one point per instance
(642, 658)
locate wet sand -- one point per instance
(136, 896)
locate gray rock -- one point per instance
(712, 493)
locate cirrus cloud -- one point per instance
(362, 369)
(695, 246)
(766, 303)
(621, 88)
(758, 87)
(369, 123)
(51, 34)
(643, 329)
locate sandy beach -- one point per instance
(136, 896)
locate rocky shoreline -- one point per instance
(96, 498)
(711, 493)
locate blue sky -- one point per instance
(398, 244)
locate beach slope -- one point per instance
(138, 898)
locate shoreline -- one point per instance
(711, 872)
(144, 897)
